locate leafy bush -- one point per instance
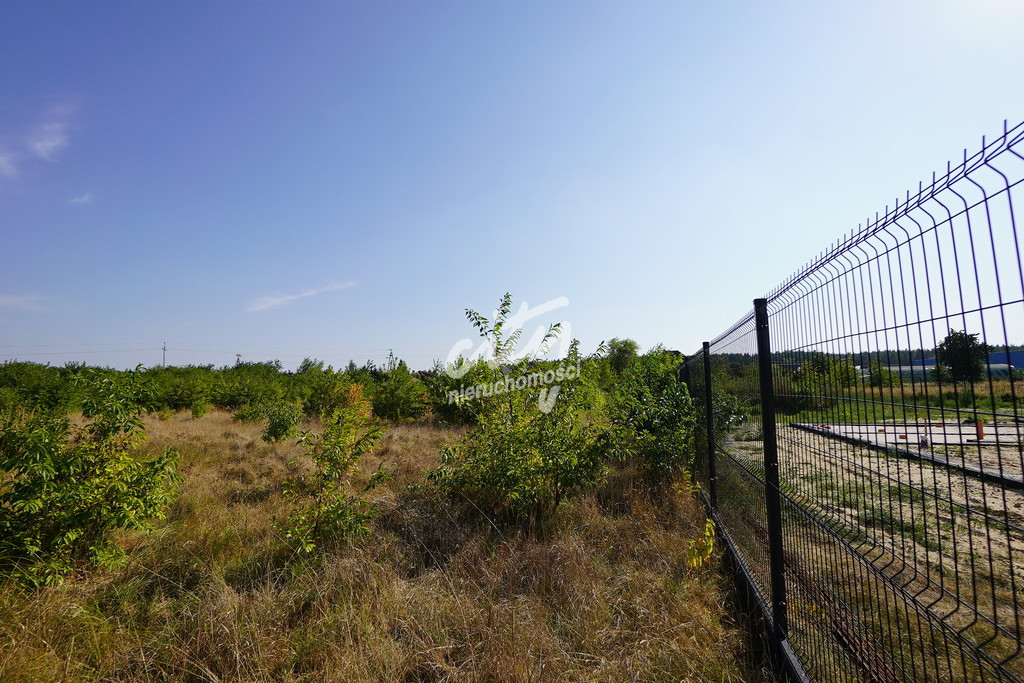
(251, 384)
(325, 510)
(815, 384)
(652, 417)
(399, 396)
(282, 418)
(250, 412)
(881, 377)
(9, 399)
(621, 354)
(41, 387)
(282, 421)
(65, 489)
(199, 408)
(522, 462)
(327, 391)
(439, 384)
(726, 412)
(184, 388)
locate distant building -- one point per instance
(1012, 358)
(920, 371)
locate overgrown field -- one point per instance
(504, 519)
(433, 592)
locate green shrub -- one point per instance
(726, 412)
(250, 412)
(42, 387)
(9, 399)
(181, 388)
(199, 408)
(282, 421)
(326, 392)
(66, 488)
(325, 509)
(439, 383)
(621, 354)
(399, 396)
(251, 384)
(522, 461)
(881, 377)
(652, 418)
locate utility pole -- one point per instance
(165, 355)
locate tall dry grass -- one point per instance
(607, 593)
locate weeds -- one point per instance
(430, 594)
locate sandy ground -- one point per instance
(951, 540)
(998, 452)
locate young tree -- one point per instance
(325, 505)
(963, 354)
(621, 354)
(879, 376)
(65, 489)
(652, 417)
(399, 396)
(523, 460)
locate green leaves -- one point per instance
(529, 453)
(399, 396)
(324, 508)
(503, 347)
(964, 355)
(881, 377)
(283, 418)
(65, 489)
(652, 417)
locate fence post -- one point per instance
(709, 420)
(773, 505)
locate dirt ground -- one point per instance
(997, 452)
(949, 541)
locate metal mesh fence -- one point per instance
(860, 439)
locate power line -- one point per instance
(72, 353)
(57, 346)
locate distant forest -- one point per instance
(733, 362)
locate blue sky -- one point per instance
(337, 179)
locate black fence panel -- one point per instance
(871, 489)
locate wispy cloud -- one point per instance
(46, 139)
(27, 302)
(8, 169)
(82, 198)
(43, 141)
(274, 301)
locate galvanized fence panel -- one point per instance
(860, 439)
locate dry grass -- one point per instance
(1000, 395)
(433, 594)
